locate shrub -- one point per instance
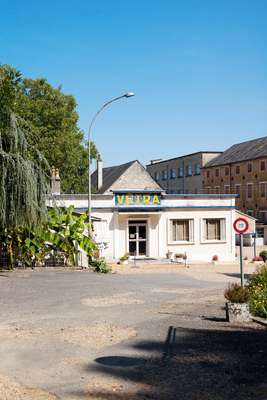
(258, 292)
(263, 255)
(236, 293)
(125, 257)
(101, 266)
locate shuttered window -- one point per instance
(182, 230)
(214, 229)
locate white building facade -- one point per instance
(133, 215)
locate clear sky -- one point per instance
(198, 68)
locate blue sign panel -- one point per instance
(137, 200)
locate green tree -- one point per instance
(50, 120)
(23, 179)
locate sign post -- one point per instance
(241, 227)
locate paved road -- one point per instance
(83, 336)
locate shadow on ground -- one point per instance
(195, 364)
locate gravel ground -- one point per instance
(161, 334)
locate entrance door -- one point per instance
(137, 238)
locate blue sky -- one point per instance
(198, 68)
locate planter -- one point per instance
(237, 312)
(123, 262)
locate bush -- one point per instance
(258, 292)
(101, 266)
(236, 293)
(263, 255)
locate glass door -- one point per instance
(137, 238)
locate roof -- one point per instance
(244, 151)
(184, 156)
(110, 175)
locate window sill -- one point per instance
(180, 242)
(213, 242)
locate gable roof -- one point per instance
(110, 175)
(244, 151)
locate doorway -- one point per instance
(137, 238)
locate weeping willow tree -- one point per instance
(23, 181)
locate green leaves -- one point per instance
(50, 121)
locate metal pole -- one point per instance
(255, 243)
(241, 260)
(126, 95)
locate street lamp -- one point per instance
(126, 95)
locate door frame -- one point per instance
(146, 223)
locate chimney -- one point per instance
(157, 160)
(99, 174)
(55, 181)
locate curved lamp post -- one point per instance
(126, 95)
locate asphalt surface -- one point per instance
(175, 342)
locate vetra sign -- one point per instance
(137, 200)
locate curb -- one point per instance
(261, 321)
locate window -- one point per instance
(164, 175)
(189, 171)
(262, 166)
(226, 189)
(217, 189)
(172, 173)
(263, 216)
(249, 190)
(208, 174)
(250, 167)
(214, 229)
(180, 172)
(197, 169)
(156, 175)
(237, 169)
(238, 189)
(263, 189)
(226, 171)
(181, 230)
(217, 172)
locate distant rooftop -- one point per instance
(244, 151)
(160, 160)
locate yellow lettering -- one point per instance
(120, 199)
(146, 199)
(137, 199)
(155, 199)
(129, 200)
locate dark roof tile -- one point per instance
(244, 151)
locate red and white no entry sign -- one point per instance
(241, 225)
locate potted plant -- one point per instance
(215, 259)
(169, 255)
(179, 257)
(124, 259)
(246, 259)
(237, 309)
(257, 260)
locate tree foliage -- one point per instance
(50, 120)
(23, 182)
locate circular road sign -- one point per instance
(241, 225)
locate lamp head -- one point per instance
(129, 94)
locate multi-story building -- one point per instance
(181, 174)
(242, 170)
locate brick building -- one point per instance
(181, 175)
(241, 170)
